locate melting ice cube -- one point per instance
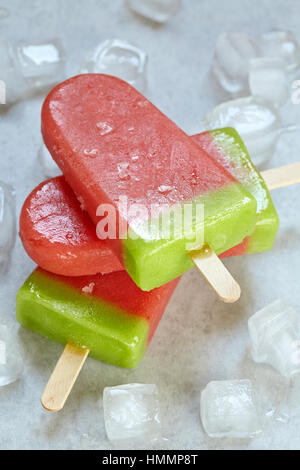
(230, 408)
(268, 79)
(121, 59)
(255, 119)
(275, 337)
(131, 412)
(41, 62)
(11, 76)
(235, 51)
(283, 45)
(7, 224)
(232, 60)
(159, 11)
(11, 364)
(30, 67)
(290, 406)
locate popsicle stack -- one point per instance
(106, 296)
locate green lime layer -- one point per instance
(229, 216)
(267, 223)
(63, 314)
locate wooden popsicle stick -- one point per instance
(282, 176)
(216, 274)
(63, 377)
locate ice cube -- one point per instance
(283, 45)
(11, 364)
(231, 61)
(7, 224)
(255, 119)
(121, 59)
(230, 408)
(48, 165)
(159, 11)
(131, 412)
(290, 406)
(268, 79)
(14, 83)
(293, 397)
(30, 67)
(42, 63)
(275, 337)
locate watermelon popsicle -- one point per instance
(111, 142)
(226, 147)
(107, 314)
(61, 238)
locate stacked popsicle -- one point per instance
(122, 157)
(120, 154)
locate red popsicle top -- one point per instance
(59, 236)
(110, 141)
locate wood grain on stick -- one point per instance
(63, 377)
(216, 274)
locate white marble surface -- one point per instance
(199, 339)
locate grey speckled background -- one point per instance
(199, 338)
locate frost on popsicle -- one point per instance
(29, 68)
(11, 364)
(230, 409)
(131, 412)
(48, 165)
(7, 224)
(275, 338)
(121, 59)
(159, 11)
(257, 122)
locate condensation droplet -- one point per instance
(104, 128)
(81, 202)
(164, 189)
(142, 103)
(91, 153)
(194, 179)
(123, 170)
(88, 289)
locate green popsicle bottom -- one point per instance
(152, 263)
(230, 150)
(62, 314)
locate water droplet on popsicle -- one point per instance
(123, 170)
(165, 189)
(91, 153)
(104, 128)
